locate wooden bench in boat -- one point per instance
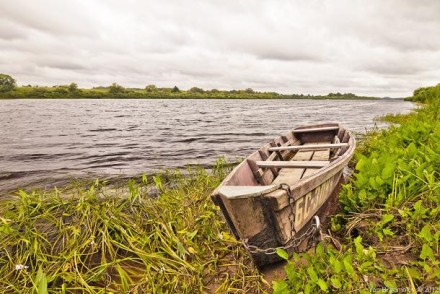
(309, 147)
(291, 175)
(292, 164)
(312, 130)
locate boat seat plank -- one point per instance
(237, 192)
(293, 164)
(291, 175)
(288, 176)
(317, 155)
(312, 130)
(309, 147)
(303, 155)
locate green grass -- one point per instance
(101, 240)
(388, 230)
(94, 241)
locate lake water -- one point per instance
(48, 142)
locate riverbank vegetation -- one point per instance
(116, 91)
(388, 230)
(99, 240)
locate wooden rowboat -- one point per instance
(271, 199)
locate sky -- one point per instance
(377, 47)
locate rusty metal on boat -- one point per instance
(272, 199)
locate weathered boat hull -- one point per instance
(256, 203)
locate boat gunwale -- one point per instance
(297, 188)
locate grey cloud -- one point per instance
(9, 31)
(287, 56)
(66, 65)
(53, 17)
(370, 48)
(399, 25)
(387, 68)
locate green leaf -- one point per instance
(403, 212)
(336, 283)
(6, 229)
(282, 253)
(319, 249)
(323, 285)
(191, 235)
(307, 289)
(348, 267)
(362, 195)
(365, 265)
(312, 274)
(388, 171)
(291, 270)
(359, 246)
(180, 247)
(418, 208)
(412, 150)
(42, 285)
(390, 284)
(425, 233)
(125, 278)
(387, 232)
(373, 183)
(414, 273)
(427, 252)
(280, 287)
(379, 180)
(158, 182)
(337, 266)
(360, 164)
(41, 281)
(386, 218)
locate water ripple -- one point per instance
(110, 137)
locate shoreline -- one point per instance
(201, 98)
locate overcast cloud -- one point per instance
(381, 47)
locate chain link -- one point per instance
(310, 234)
(294, 242)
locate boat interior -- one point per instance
(286, 160)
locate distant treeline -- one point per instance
(150, 91)
(426, 95)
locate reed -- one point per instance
(97, 241)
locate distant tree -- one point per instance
(7, 83)
(215, 91)
(61, 90)
(116, 89)
(196, 90)
(73, 87)
(175, 89)
(250, 91)
(150, 88)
